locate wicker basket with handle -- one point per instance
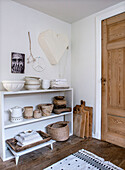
(59, 131)
(46, 109)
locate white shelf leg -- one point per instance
(16, 159)
(51, 146)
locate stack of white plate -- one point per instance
(32, 83)
(59, 83)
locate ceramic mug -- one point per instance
(45, 84)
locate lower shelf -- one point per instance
(18, 154)
(9, 155)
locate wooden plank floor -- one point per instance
(44, 157)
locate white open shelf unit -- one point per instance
(30, 98)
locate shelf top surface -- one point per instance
(9, 124)
(34, 91)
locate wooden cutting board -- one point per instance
(79, 121)
(90, 109)
(87, 123)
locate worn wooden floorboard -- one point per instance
(44, 157)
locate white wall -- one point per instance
(15, 22)
(83, 60)
(86, 61)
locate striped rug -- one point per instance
(83, 160)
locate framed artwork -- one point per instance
(17, 62)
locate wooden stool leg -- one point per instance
(16, 159)
(51, 146)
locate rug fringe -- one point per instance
(113, 165)
(107, 163)
(92, 154)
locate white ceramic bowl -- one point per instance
(32, 86)
(13, 85)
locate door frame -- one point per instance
(109, 12)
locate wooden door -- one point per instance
(113, 80)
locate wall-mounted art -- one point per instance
(53, 45)
(17, 62)
(38, 63)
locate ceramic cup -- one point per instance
(45, 84)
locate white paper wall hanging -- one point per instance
(53, 45)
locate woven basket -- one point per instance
(46, 109)
(59, 131)
(59, 102)
(28, 112)
(37, 114)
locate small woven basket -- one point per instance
(37, 114)
(59, 131)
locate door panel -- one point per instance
(116, 124)
(116, 31)
(113, 80)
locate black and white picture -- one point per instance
(17, 62)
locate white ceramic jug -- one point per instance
(16, 111)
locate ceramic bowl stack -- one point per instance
(32, 83)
